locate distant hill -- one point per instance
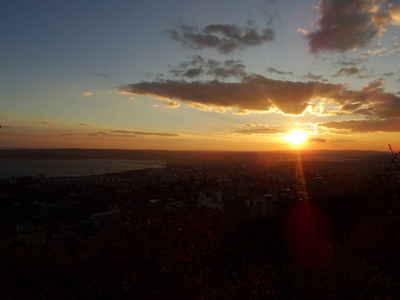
(176, 156)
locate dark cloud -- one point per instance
(375, 85)
(95, 134)
(229, 68)
(198, 66)
(316, 140)
(122, 131)
(350, 107)
(47, 123)
(389, 74)
(259, 131)
(105, 75)
(347, 71)
(224, 38)
(84, 124)
(191, 73)
(386, 105)
(386, 125)
(345, 25)
(254, 93)
(314, 77)
(71, 134)
(273, 70)
(257, 93)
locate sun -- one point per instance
(296, 137)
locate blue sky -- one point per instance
(207, 75)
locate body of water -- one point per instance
(71, 167)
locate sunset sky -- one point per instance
(200, 75)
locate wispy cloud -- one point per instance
(374, 52)
(47, 123)
(98, 133)
(316, 140)
(87, 94)
(84, 124)
(346, 61)
(121, 132)
(314, 77)
(144, 133)
(396, 49)
(275, 71)
(347, 71)
(258, 131)
(105, 75)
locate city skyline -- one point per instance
(215, 75)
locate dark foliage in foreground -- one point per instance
(169, 257)
(351, 250)
(199, 256)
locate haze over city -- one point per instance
(200, 75)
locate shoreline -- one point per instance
(19, 168)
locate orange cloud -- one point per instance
(173, 105)
(259, 131)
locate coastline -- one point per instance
(17, 168)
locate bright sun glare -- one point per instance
(296, 137)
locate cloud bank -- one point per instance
(258, 93)
(386, 125)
